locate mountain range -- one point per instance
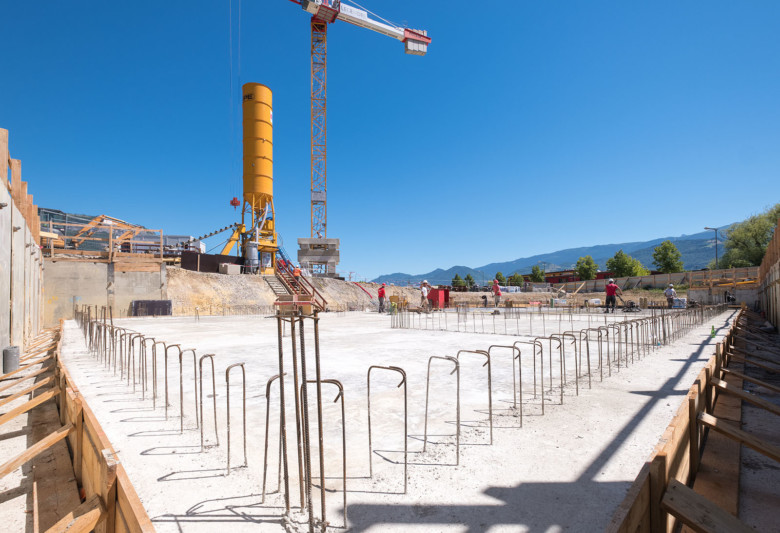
(697, 251)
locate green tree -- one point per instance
(586, 268)
(746, 241)
(537, 276)
(501, 279)
(516, 280)
(469, 280)
(666, 257)
(623, 265)
(457, 281)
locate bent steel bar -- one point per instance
(536, 344)
(406, 419)
(210, 357)
(490, 384)
(516, 355)
(227, 385)
(560, 361)
(267, 426)
(340, 396)
(154, 371)
(178, 347)
(181, 387)
(126, 367)
(456, 370)
(564, 335)
(143, 366)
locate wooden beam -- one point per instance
(22, 368)
(743, 437)
(108, 467)
(82, 519)
(38, 400)
(26, 391)
(745, 397)
(754, 363)
(751, 380)
(21, 379)
(698, 513)
(35, 449)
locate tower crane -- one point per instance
(320, 254)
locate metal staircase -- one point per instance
(276, 285)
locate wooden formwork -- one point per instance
(106, 501)
(95, 464)
(660, 499)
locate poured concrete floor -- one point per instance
(566, 470)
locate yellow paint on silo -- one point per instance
(258, 145)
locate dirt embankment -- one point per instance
(217, 294)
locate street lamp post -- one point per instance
(716, 245)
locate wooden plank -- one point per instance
(38, 400)
(633, 514)
(698, 513)
(743, 437)
(751, 380)
(22, 379)
(82, 519)
(134, 514)
(28, 390)
(108, 467)
(43, 444)
(23, 368)
(745, 397)
(741, 359)
(136, 267)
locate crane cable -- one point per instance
(396, 26)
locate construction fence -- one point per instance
(21, 264)
(701, 278)
(769, 276)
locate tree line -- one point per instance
(745, 244)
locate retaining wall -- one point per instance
(21, 262)
(769, 280)
(69, 283)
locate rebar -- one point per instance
(515, 379)
(181, 387)
(210, 357)
(490, 384)
(227, 385)
(456, 371)
(406, 419)
(267, 427)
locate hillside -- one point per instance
(697, 251)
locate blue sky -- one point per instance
(529, 127)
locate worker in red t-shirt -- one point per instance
(611, 289)
(496, 292)
(381, 294)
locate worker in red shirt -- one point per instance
(297, 276)
(381, 294)
(496, 292)
(611, 289)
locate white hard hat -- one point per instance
(671, 285)
(611, 280)
(425, 281)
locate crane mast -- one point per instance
(320, 254)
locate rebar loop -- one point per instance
(143, 365)
(210, 357)
(181, 387)
(456, 370)
(563, 336)
(560, 361)
(516, 355)
(267, 427)
(340, 396)
(167, 402)
(227, 385)
(406, 419)
(154, 371)
(536, 344)
(490, 384)
(125, 367)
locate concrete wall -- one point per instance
(68, 283)
(20, 258)
(716, 295)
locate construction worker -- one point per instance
(670, 294)
(297, 276)
(496, 292)
(381, 294)
(611, 289)
(424, 290)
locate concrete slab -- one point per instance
(564, 471)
